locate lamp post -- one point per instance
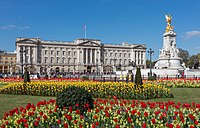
(150, 52)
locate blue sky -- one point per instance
(111, 21)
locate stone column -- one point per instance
(86, 50)
(135, 55)
(2, 69)
(49, 56)
(36, 52)
(141, 57)
(78, 56)
(29, 54)
(95, 56)
(18, 54)
(91, 55)
(82, 56)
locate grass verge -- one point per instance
(9, 102)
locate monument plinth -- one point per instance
(168, 57)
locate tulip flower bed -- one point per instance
(98, 89)
(41, 79)
(177, 83)
(107, 113)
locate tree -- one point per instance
(138, 77)
(184, 54)
(148, 64)
(193, 61)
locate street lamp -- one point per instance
(150, 52)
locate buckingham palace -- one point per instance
(78, 56)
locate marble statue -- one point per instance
(168, 57)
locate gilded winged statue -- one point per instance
(168, 20)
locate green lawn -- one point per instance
(8, 102)
(183, 95)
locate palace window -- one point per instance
(57, 60)
(69, 59)
(52, 52)
(51, 59)
(69, 53)
(45, 59)
(124, 61)
(63, 60)
(120, 61)
(64, 53)
(115, 54)
(46, 52)
(106, 61)
(58, 52)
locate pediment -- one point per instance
(26, 40)
(89, 43)
(139, 47)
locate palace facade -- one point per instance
(78, 56)
(7, 62)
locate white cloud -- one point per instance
(198, 48)
(14, 27)
(191, 34)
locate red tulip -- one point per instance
(26, 125)
(95, 117)
(144, 125)
(145, 114)
(97, 123)
(77, 111)
(195, 122)
(44, 117)
(117, 126)
(41, 113)
(115, 98)
(69, 117)
(178, 126)
(65, 125)
(59, 121)
(93, 126)
(36, 123)
(153, 121)
(6, 123)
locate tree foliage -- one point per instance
(184, 54)
(193, 61)
(148, 64)
(138, 77)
